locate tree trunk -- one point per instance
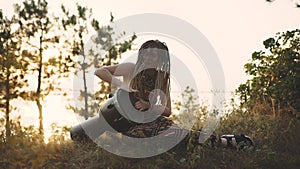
(38, 91)
(7, 111)
(85, 95)
(86, 113)
(40, 108)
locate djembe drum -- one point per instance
(117, 114)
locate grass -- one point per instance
(276, 146)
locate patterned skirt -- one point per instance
(150, 129)
(164, 127)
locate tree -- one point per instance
(13, 67)
(297, 4)
(275, 73)
(81, 24)
(37, 28)
(104, 39)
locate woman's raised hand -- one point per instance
(122, 85)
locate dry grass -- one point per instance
(276, 146)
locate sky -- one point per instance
(234, 28)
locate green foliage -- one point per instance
(39, 36)
(90, 55)
(80, 24)
(273, 88)
(113, 48)
(275, 138)
(36, 27)
(191, 111)
(276, 146)
(23, 148)
(13, 66)
(275, 73)
(59, 134)
(296, 3)
(26, 148)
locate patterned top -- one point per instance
(147, 79)
(146, 83)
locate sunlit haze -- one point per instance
(234, 28)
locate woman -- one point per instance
(149, 79)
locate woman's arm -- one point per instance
(109, 73)
(167, 109)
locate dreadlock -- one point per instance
(163, 67)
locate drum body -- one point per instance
(117, 111)
(114, 116)
(88, 130)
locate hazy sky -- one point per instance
(235, 28)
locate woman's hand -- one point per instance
(142, 105)
(127, 88)
(122, 85)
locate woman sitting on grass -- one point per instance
(148, 78)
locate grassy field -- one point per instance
(276, 146)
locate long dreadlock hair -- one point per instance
(163, 67)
